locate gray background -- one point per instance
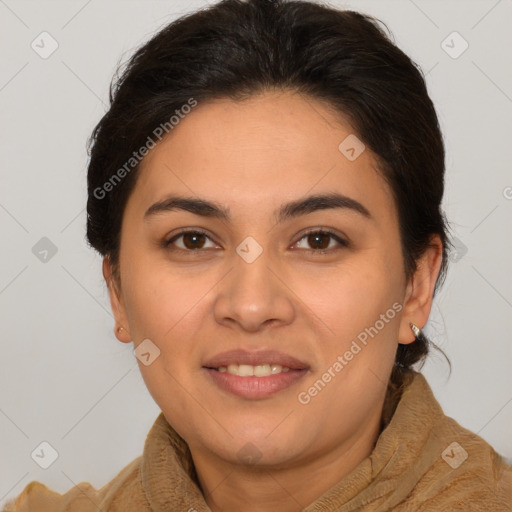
(65, 379)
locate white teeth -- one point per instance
(244, 370)
(262, 370)
(247, 370)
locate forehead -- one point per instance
(259, 152)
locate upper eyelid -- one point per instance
(326, 231)
(187, 231)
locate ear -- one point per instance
(420, 291)
(121, 329)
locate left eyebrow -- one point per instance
(315, 203)
(293, 209)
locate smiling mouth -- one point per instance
(254, 382)
(248, 370)
(254, 374)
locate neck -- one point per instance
(230, 487)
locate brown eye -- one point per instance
(319, 240)
(193, 240)
(190, 241)
(322, 242)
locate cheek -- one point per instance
(155, 294)
(361, 306)
(170, 308)
(167, 309)
(148, 302)
(156, 303)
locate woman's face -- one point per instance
(256, 278)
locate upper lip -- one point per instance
(241, 356)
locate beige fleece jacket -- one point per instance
(422, 461)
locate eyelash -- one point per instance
(342, 243)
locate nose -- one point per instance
(254, 295)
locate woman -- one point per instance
(266, 192)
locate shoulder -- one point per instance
(468, 475)
(36, 496)
(440, 465)
(83, 497)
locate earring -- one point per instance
(416, 330)
(119, 329)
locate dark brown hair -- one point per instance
(236, 49)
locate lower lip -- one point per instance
(255, 387)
